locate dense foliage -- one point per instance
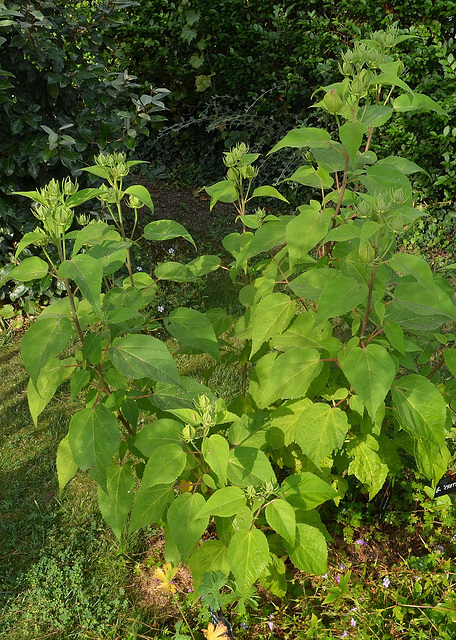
(247, 70)
(59, 105)
(346, 358)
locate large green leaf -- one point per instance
(29, 238)
(166, 230)
(66, 466)
(210, 556)
(411, 264)
(375, 115)
(94, 437)
(41, 392)
(310, 177)
(320, 430)
(306, 490)
(280, 515)
(305, 231)
(291, 374)
(44, 340)
(174, 271)
(304, 137)
(116, 502)
(140, 192)
(366, 463)
(87, 273)
(268, 192)
(149, 505)
(216, 452)
(121, 304)
(311, 283)
(402, 164)
(416, 101)
(420, 409)
(29, 269)
(156, 434)
(270, 235)
(110, 254)
(94, 234)
(371, 372)
(202, 265)
(223, 191)
(351, 135)
(270, 316)
(142, 356)
(185, 524)
(274, 577)
(285, 419)
(165, 465)
(309, 552)
(192, 328)
(421, 304)
(248, 555)
(339, 296)
(381, 178)
(224, 503)
(249, 466)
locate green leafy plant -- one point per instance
(342, 346)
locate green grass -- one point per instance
(61, 572)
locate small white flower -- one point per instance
(161, 308)
(138, 268)
(171, 251)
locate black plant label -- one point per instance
(447, 484)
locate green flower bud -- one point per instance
(357, 87)
(229, 160)
(134, 202)
(68, 187)
(83, 220)
(347, 68)
(249, 171)
(233, 175)
(188, 433)
(367, 253)
(396, 224)
(332, 101)
(380, 204)
(363, 209)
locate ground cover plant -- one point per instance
(344, 350)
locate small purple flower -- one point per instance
(361, 542)
(439, 548)
(271, 625)
(342, 566)
(345, 634)
(386, 582)
(244, 625)
(338, 578)
(352, 622)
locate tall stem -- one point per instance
(369, 302)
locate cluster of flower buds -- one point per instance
(362, 55)
(115, 165)
(52, 210)
(238, 160)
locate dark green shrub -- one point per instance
(59, 105)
